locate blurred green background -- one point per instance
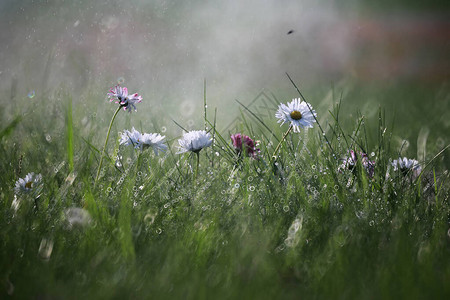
(389, 53)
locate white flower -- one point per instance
(132, 137)
(297, 113)
(138, 140)
(194, 141)
(120, 94)
(405, 164)
(155, 141)
(29, 183)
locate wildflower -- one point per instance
(194, 141)
(243, 143)
(29, 183)
(405, 165)
(142, 141)
(153, 140)
(351, 161)
(367, 164)
(298, 113)
(120, 94)
(130, 138)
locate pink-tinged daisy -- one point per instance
(194, 141)
(30, 183)
(351, 161)
(244, 144)
(297, 112)
(121, 96)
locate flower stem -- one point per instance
(198, 162)
(274, 155)
(106, 143)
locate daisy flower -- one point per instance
(243, 143)
(194, 141)
(404, 165)
(120, 95)
(132, 137)
(142, 141)
(29, 183)
(155, 141)
(299, 113)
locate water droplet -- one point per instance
(371, 223)
(31, 94)
(20, 251)
(236, 185)
(313, 167)
(48, 138)
(159, 231)
(251, 188)
(45, 249)
(285, 208)
(71, 177)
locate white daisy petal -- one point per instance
(297, 113)
(31, 182)
(405, 165)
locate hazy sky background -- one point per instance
(165, 49)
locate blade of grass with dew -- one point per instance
(69, 133)
(259, 120)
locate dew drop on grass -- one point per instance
(20, 251)
(31, 94)
(158, 230)
(45, 249)
(285, 208)
(371, 223)
(251, 188)
(48, 138)
(163, 129)
(71, 177)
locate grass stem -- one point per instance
(274, 155)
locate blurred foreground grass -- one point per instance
(244, 228)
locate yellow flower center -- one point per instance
(296, 115)
(28, 184)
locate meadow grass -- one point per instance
(295, 227)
